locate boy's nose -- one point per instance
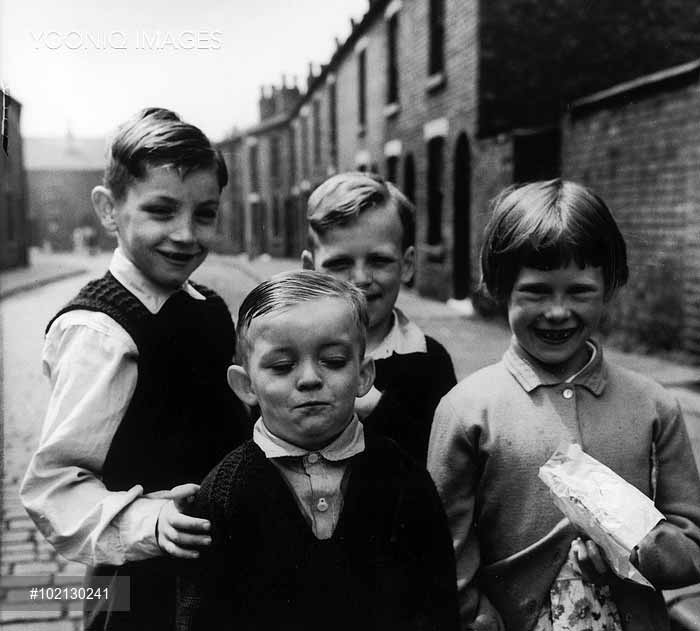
(361, 275)
(308, 377)
(183, 232)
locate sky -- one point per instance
(85, 66)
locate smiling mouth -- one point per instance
(178, 257)
(556, 336)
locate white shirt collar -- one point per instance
(404, 337)
(152, 296)
(350, 442)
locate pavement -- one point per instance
(472, 341)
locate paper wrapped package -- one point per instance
(608, 509)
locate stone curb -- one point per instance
(39, 282)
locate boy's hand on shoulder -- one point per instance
(178, 534)
(364, 405)
(591, 561)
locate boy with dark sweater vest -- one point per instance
(316, 519)
(361, 229)
(137, 363)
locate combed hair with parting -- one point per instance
(158, 137)
(289, 289)
(342, 197)
(547, 225)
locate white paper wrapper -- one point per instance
(611, 511)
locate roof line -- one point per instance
(646, 82)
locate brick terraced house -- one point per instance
(452, 100)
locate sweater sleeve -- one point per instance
(453, 462)
(669, 556)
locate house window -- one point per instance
(253, 166)
(362, 90)
(333, 123)
(305, 146)
(392, 79)
(435, 168)
(292, 154)
(274, 157)
(317, 131)
(276, 216)
(436, 55)
(409, 178)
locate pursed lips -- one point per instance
(310, 404)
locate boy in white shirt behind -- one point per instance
(137, 363)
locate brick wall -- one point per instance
(539, 55)
(641, 153)
(455, 101)
(13, 211)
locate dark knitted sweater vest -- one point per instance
(388, 565)
(181, 420)
(412, 385)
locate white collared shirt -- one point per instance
(403, 338)
(91, 362)
(316, 478)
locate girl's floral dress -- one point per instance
(576, 605)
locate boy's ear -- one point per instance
(408, 264)
(367, 373)
(240, 383)
(105, 208)
(307, 260)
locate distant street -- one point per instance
(23, 317)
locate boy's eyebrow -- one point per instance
(532, 285)
(161, 199)
(337, 258)
(167, 199)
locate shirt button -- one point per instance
(313, 458)
(567, 393)
(322, 505)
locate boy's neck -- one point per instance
(376, 335)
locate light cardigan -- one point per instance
(495, 429)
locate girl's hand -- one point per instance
(591, 561)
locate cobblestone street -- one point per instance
(27, 560)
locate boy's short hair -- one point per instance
(289, 289)
(546, 225)
(342, 197)
(158, 137)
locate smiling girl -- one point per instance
(554, 256)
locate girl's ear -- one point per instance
(367, 373)
(240, 383)
(105, 208)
